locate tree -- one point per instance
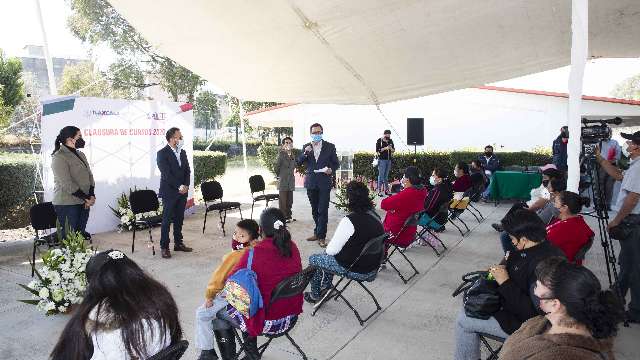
(205, 111)
(97, 22)
(82, 79)
(248, 106)
(11, 87)
(628, 88)
(28, 107)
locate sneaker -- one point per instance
(309, 298)
(497, 227)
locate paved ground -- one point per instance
(416, 321)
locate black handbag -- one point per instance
(481, 298)
(621, 231)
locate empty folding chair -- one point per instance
(393, 246)
(173, 352)
(143, 201)
(457, 208)
(256, 183)
(291, 286)
(374, 246)
(43, 218)
(212, 191)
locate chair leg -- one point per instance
(252, 204)
(464, 223)
(388, 260)
(304, 356)
(263, 347)
(420, 235)
(456, 226)
(476, 210)
(153, 246)
(438, 238)
(222, 220)
(240, 209)
(326, 297)
(205, 219)
(33, 257)
(133, 240)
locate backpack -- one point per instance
(241, 290)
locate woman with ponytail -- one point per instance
(275, 258)
(569, 231)
(73, 191)
(580, 319)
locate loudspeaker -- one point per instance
(415, 131)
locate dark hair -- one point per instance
(477, 162)
(559, 184)
(250, 226)
(131, 297)
(282, 236)
(316, 125)
(358, 197)
(412, 174)
(573, 201)
(464, 167)
(171, 132)
(287, 138)
(387, 132)
(524, 223)
(579, 290)
(553, 173)
(65, 133)
(440, 172)
(488, 147)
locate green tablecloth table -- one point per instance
(513, 184)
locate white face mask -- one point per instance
(432, 180)
(625, 151)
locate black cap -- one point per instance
(635, 137)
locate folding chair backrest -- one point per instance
(256, 183)
(173, 352)
(443, 214)
(374, 246)
(292, 286)
(211, 190)
(43, 216)
(582, 253)
(143, 201)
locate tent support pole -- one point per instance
(244, 136)
(579, 53)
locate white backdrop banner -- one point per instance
(122, 138)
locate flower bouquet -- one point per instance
(61, 281)
(127, 219)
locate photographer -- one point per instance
(625, 226)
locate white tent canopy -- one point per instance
(373, 51)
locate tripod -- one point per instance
(601, 213)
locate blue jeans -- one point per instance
(506, 243)
(487, 192)
(319, 200)
(467, 339)
(324, 280)
(76, 216)
(207, 321)
(172, 212)
(383, 174)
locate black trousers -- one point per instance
(319, 200)
(172, 212)
(285, 201)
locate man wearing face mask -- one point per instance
(559, 148)
(610, 151)
(175, 176)
(491, 164)
(627, 216)
(322, 161)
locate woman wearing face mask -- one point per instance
(73, 191)
(384, 149)
(580, 320)
(285, 166)
(439, 194)
(569, 231)
(516, 277)
(402, 205)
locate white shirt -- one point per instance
(630, 183)
(316, 149)
(176, 152)
(344, 231)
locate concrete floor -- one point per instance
(416, 321)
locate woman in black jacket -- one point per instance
(516, 277)
(440, 193)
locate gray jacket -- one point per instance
(285, 166)
(70, 174)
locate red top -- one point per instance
(462, 184)
(570, 236)
(399, 207)
(272, 268)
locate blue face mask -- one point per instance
(316, 137)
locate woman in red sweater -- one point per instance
(569, 232)
(275, 258)
(462, 182)
(402, 205)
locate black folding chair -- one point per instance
(494, 352)
(429, 228)
(256, 183)
(43, 218)
(173, 352)
(457, 208)
(474, 195)
(374, 246)
(143, 201)
(212, 191)
(393, 248)
(291, 286)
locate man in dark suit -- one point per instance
(322, 161)
(175, 176)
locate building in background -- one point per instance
(33, 62)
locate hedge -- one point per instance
(207, 165)
(427, 161)
(268, 155)
(17, 181)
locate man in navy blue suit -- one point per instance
(175, 176)
(322, 161)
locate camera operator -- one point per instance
(610, 151)
(625, 226)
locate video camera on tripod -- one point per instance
(592, 135)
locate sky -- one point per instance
(19, 27)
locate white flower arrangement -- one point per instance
(61, 281)
(124, 213)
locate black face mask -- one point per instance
(545, 183)
(488, 153)
(80, 143)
